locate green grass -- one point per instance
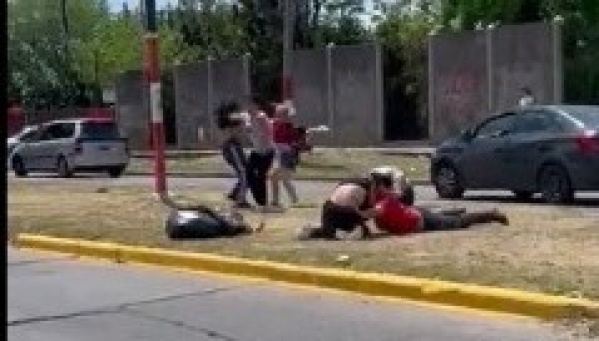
(326, 164)
(542, 250)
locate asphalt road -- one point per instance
(54, 297)
(586, 204)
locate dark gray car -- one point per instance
(552, 150)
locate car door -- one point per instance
(54, 143)
(532, 140)
(30, 149)
(479, 164)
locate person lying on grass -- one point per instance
(396, 216)
(354, 202)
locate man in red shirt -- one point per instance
(398, 217)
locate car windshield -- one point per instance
(99, 130)
(589, 116)
(26, 132)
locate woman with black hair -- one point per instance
(231, 124)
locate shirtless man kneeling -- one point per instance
(349, 207)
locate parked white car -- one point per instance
(69, 146)
(25, 133)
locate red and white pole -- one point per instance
(151, 68)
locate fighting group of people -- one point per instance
(275, 146)
(383, 199)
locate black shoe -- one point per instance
(243, 205)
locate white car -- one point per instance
(25, 133)
(69, 146)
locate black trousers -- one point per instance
(257, 174)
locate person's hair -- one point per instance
(382, 180)
(526, 90)
(224, 113)
(259, 101)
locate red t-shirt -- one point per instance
(283, 132)
(395, 217)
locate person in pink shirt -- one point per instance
(284, 136)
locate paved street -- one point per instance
(586, 204)
(54, 297)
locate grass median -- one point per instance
(543, 250)
(322, 164)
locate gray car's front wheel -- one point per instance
(447, 182)
(62, 167)
(554, 184)
(18, 166)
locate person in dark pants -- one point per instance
(231, 126)
(348, 208)
(396, 214)
(262, 153)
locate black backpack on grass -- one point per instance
(203, 223)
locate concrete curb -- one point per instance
(213, 175)
(433, 291)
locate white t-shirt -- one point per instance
(526, 100)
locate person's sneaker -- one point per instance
(305, 232)
(242, 205)
(501, 218)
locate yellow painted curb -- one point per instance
(465, 295)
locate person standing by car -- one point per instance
(527, 97)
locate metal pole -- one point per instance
(490, 73)
(210, 94)
(151, 69)
(286, 78)
(378, 92)
(330, 98)
(556, 31)
(431, 87)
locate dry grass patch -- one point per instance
(542, 250)
(331, 163)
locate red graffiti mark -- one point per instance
(459, 92)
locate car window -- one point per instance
(58, 131)
(588, 116)
(99, 130)
(536, 122)
(495, 127)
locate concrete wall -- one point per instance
(309, 71)
(340, 87)
(358, 105)
(475, 74)
(459, 80)
(191, 105)
(132, 109)
(199, 89)
(522, 57)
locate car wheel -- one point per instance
(116, 172)
(62, 168)
(447, 182)
(523, 195)
(18, 166)
(554, 184)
